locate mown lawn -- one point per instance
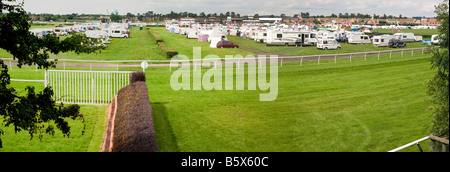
(358, 106)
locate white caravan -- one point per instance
(261, 36)
(327, 44)
(358, 39)
(382, 40)
(192, 34)
(435, 39)
(405, 37)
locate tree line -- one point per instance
(152, 16)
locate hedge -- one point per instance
(133, 125)
(169, 52)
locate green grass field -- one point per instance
(362, 106)
(358, 106)
(140, 46)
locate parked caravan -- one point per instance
(328, 44)
(287, 38)
(358, 39)
(435, 39)
(382, 40)
(405, 37)
(192, 34)
(261, 36)
(418, 38)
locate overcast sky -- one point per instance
(407, 8)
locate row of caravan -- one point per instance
(205, 33)
(101, 31)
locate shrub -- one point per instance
(137, 76)
(169, 52)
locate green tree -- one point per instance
(115, 17)
(438, 86)
(32, 111)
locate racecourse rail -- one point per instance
(167, 63)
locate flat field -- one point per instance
(358, 106)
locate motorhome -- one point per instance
(382, 40)
(119, 33)
(328, 44)
(405, 37)
(358, 39)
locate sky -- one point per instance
(409, 8)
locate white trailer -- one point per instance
(435, 39)
(261, 36)
(358, 39)
(382, 40)
(405, 37)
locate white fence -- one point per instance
(85, 87)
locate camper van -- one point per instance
(382, 40)
(405, 37)
(119, 33)
(358, 39)
(327, 44)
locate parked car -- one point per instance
(395, 43)
(226, 44)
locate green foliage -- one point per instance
(115, 17)
(438, 87)
(31, 111)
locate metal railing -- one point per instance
(417, 142)
(86, 87)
